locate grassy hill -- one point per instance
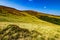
(29, 25)
(45, 17)
(13, 15)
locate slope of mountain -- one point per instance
(13, 15)
(43, 26)
(46, 17)
(11, 12)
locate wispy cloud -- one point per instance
(11, 4)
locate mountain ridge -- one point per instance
(25, 10)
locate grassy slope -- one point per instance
(49, 30)
(45, 17)
(8, 14)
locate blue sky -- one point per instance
(45, 6)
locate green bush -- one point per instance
(49, 19)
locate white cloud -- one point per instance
(11, 4)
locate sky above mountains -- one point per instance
(45, 6)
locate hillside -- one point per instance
(13, 15)
(45, 17)
(28, 25)
(32, 15)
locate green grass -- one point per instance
(50, 19)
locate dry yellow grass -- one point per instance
(47, 29)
